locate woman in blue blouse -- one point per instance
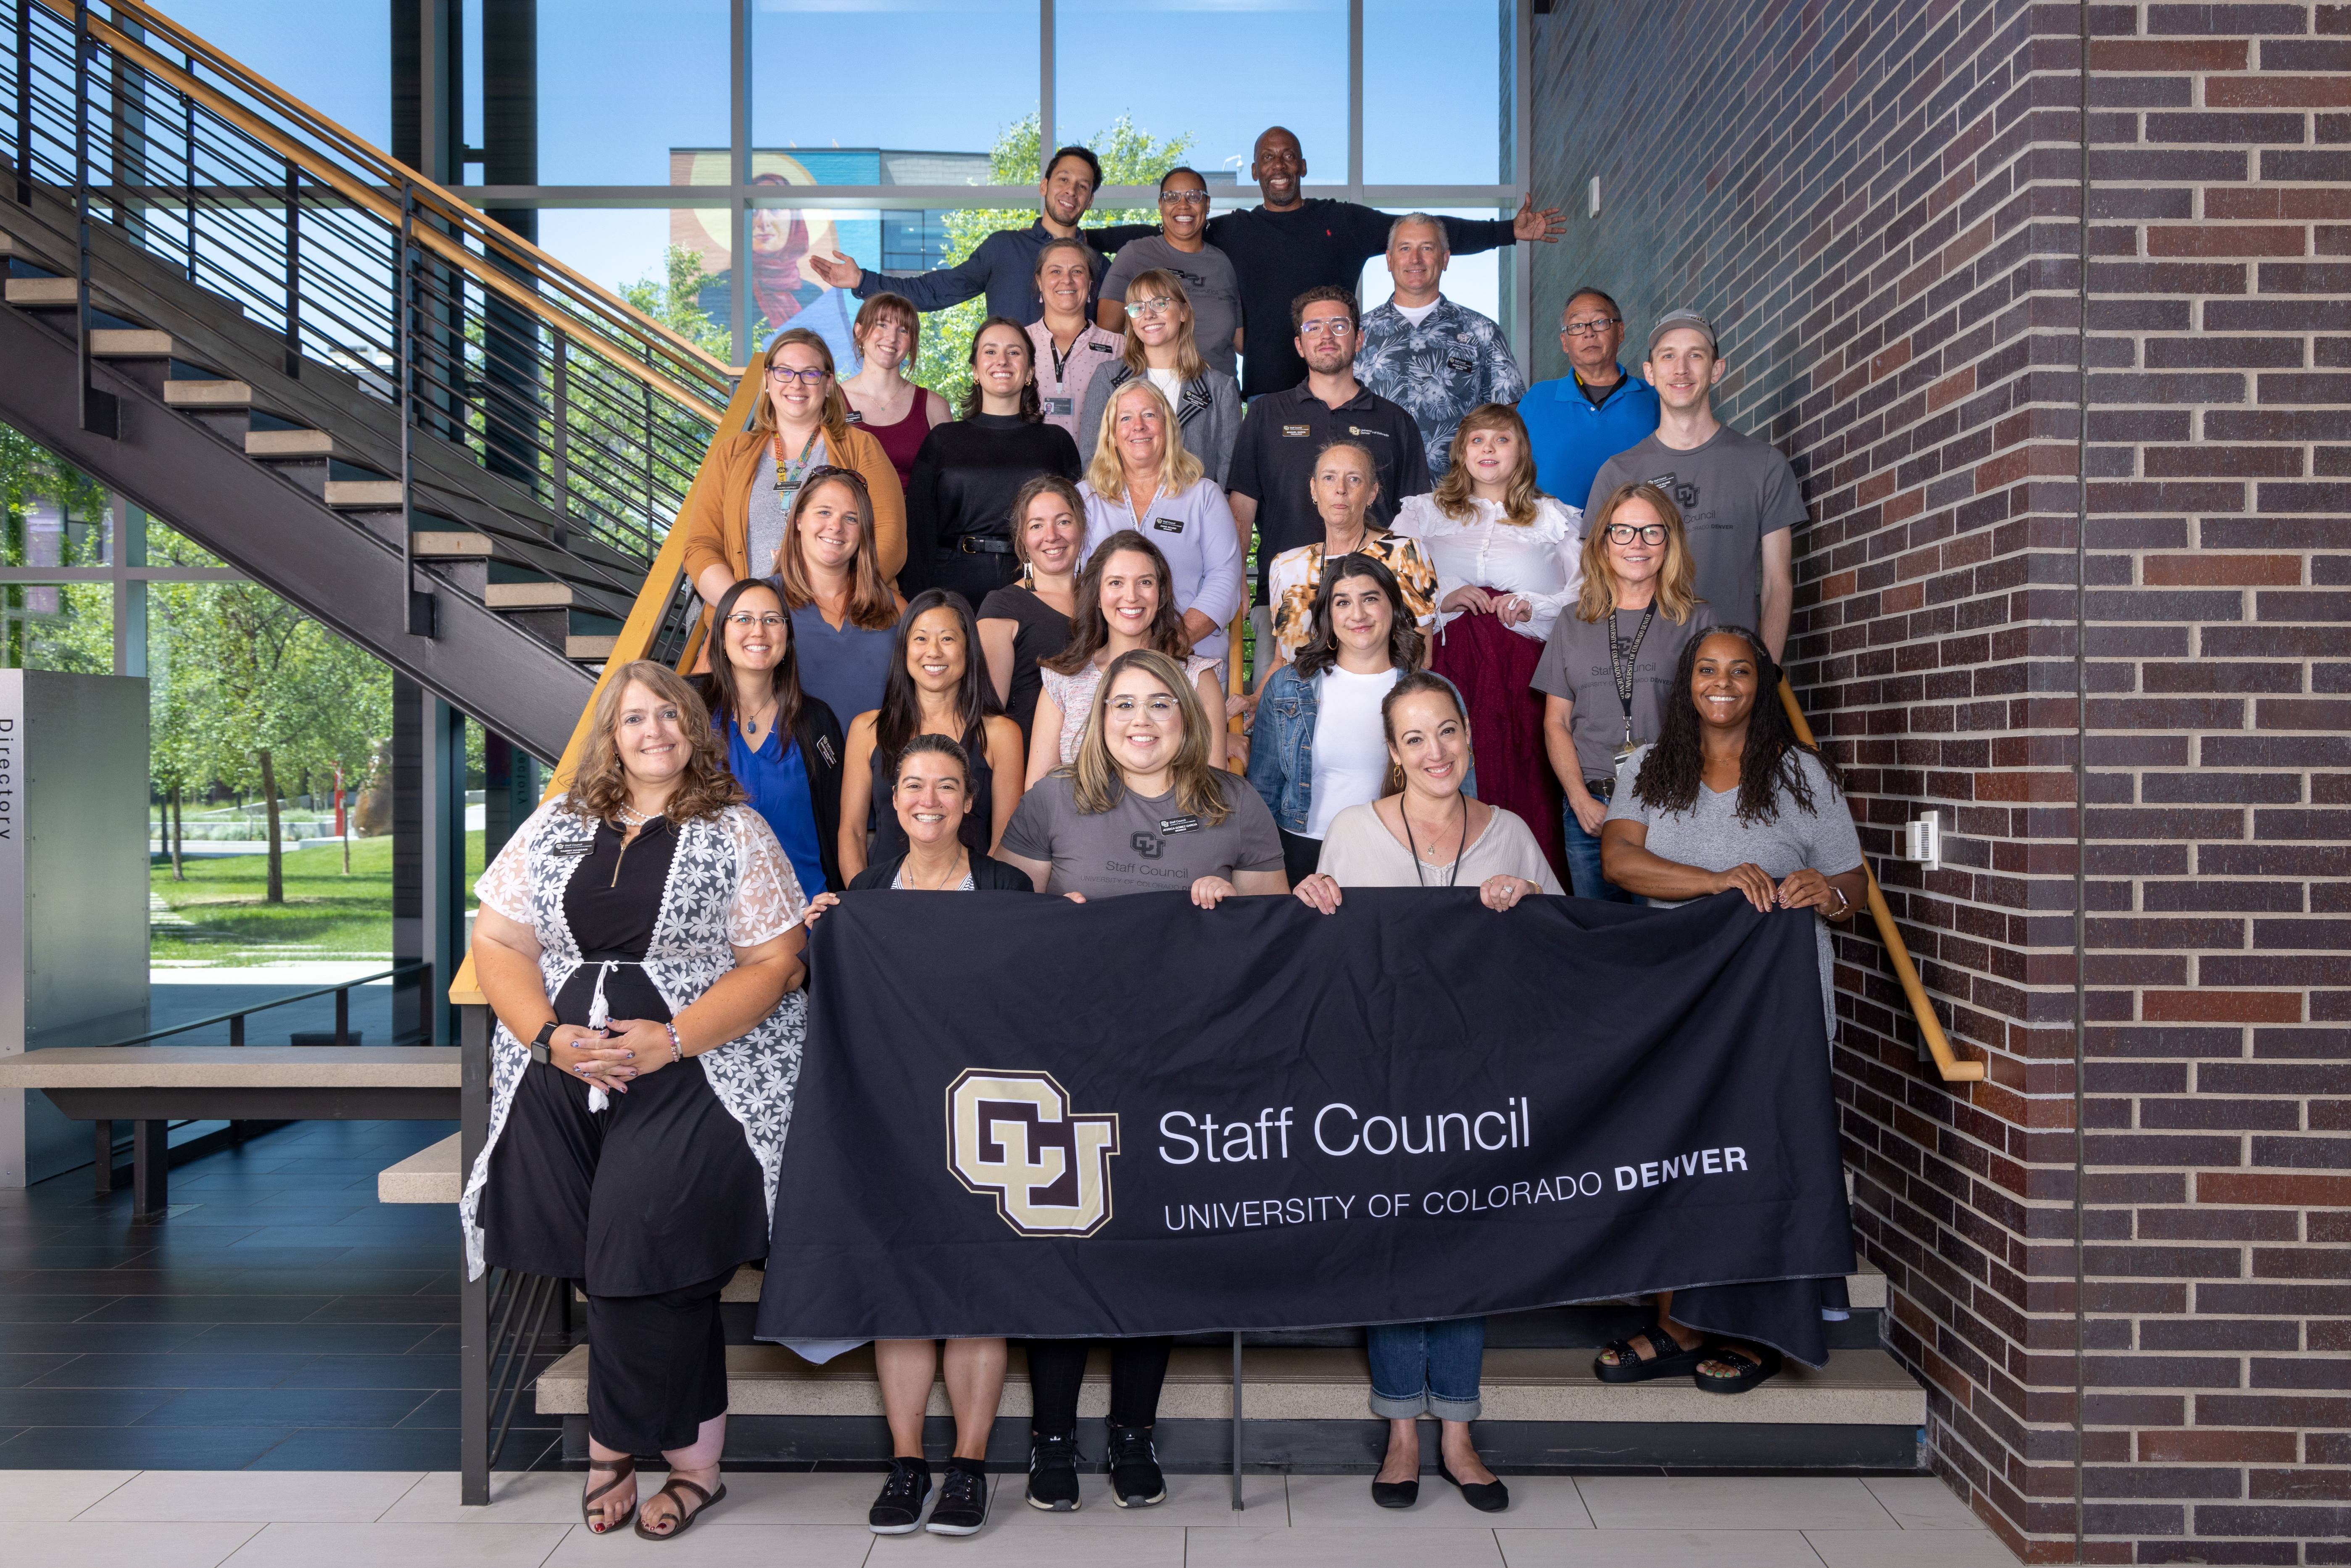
(783, 745)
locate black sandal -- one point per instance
(674, 1489)
(619, 1471)
(1751, 1371)
(1667, 1359)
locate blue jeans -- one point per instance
(1583, 878)
(1426, 1369)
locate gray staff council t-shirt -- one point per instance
(1209, 283)
(1731, 492)
(1575, 667)
(1144, 844)
(1710, 837)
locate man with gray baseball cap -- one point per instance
(1739, 498)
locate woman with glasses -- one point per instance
(1427, 833)
(1122, 604)
(737, 513)
(1144, 478)
(937, 685)
(1160, 350)
(1607, 673)
(959, 506)
(882, 401)
(1030, 620)
(1181, 250)
(1144, 810)
(1507, 562)
(782, 745)
(844, 613)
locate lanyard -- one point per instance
(1061, 359)
(1620, 664)
(1461, 850)
(787, 474)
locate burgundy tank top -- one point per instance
(901, 441)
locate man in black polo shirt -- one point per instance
(1283, 431)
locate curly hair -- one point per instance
(599, 788)
(1032, 403)
(1090, 628)
(1672, 771)
(1455, 490)
(1201, 789)
(1320, 650)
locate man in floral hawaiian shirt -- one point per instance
(1420, 349)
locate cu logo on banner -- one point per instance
(1013, 1137)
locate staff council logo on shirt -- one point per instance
(1012, 1136)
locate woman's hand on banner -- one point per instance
(1319, 892)
(1751, 879)
(1211, 891)
(1505, 891)
(819, 904)
(1809, 889)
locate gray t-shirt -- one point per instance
(1710, 837)
(1144, 844)
(1208, 280)
(1731, 492)
(1575, 667)
(770, 509)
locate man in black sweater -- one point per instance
(1292, 244)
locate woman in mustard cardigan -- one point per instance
(735, 521)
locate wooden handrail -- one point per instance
(360, 149)
(387, 210)
(1953, 1068)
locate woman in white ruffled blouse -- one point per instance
(1508, 559)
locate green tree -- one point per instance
(1130, 156)
(673, 300)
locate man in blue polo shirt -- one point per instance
(1595, 410)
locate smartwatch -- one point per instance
(539, 1047)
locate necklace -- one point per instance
(1459, 849)
(954, 877)
(753, 724)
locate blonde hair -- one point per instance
(1676, 594)
(835, 417)
(600, 787)
(1178, 469)
(1097, 785)
(1455, 490)
(1189, 366)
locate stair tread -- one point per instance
(130, 343)
(528, 595)
(207, 394)
(589, 647)
(363, 493)
(288, 442)
(448, 545)
(42, 291)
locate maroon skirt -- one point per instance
(1495, 669)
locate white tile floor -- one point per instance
(248, 1518)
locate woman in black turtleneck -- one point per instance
(959, 504)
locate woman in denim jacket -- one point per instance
(1318, 747)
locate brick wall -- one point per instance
(1879, 202)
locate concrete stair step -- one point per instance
(130, 343)
(288, 443)
(431, 1175)
(373, 494)
(590, 649)
(42, 291)
(449, 545)
(539, 595)
(207, 394)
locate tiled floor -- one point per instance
(280, 1318)
(97, 1518)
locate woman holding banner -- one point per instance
(1143, 809)
(1429, 833)
(1727, 798)
(642, 934)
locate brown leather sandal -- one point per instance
(676, 1490)
(619, 1471)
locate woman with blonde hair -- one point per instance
(737, 513)
(1607, 676)
(1122, 603)
(844, 613)
(640, 1090)
(1507, 560)
(882, 401)
(1144, 810)
(1144, 478)
(1160, 349)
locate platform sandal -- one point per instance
(619, 1471)
(1754, 1367)
(1667, 1359)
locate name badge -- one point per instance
(1104, 348)
(1061, 405)
(1461, 362)
(571, 847)
(1168, 525)
(1300, 430)
(1179, 824)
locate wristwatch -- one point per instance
(539, 1047)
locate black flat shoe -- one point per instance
(1397, 1494)
(1485, 1497)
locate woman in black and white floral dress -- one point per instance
(646, 917)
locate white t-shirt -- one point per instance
(1416, 314)
(1351, 749)
(1169, 382)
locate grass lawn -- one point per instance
(326, 914)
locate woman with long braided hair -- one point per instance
(1727, 800)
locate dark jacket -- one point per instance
(988, 875)
(1003, 267)
(818, 735)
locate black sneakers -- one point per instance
(900, 1506)
(963, 1499)
(1053, 1472)
(1135, 1477)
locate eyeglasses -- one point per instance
(1625, 533)
(1158, 706)
(1326, 327)
(1592, 326)
(1149, 306)
(746, 620)
(1183, 198)
(808, 377)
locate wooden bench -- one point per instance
(152, 1086)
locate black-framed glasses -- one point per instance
(1648, 533)
(1592, 327)
(810, 377)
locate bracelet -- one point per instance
(1844, 905)
(677, 1051)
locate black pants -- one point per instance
(975, 576)
(1300, 855)
(1056, 1367)
(656, 1366)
